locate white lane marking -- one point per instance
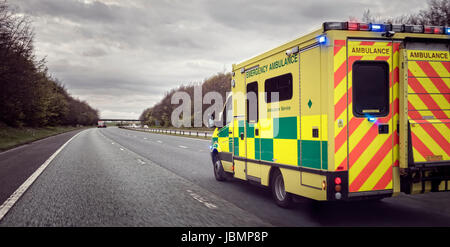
(9, 203)
(159, 141)
(112, 143)
(182, 146)
(202, 200)
(145, 138)
(141, 161)
(122, 149)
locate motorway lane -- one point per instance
(120, 177)
(96, 182)
(17, 164)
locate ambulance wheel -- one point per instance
(281, 197)
(219, 173)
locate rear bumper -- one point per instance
(345, 195)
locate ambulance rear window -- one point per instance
(370, 88)
(282, 85)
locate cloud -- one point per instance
(122, 56)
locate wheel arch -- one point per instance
(271, 172)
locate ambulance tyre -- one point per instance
(281, 197)
(219, 173)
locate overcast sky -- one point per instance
(122, 56)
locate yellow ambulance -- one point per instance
(350, 111)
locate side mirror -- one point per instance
(210, 122)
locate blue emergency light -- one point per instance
(371, 118)
(377, 27)
(322, 39)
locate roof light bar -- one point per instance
(334, 26)
(414, 28)
(397, 28)
(374, 27)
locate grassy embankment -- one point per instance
(13, 137)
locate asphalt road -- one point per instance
(17, 164)
(117, 177)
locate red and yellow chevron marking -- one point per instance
(340, 104)
(395, 109)
(429, 109)
(371, 155)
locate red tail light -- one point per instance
(337, 180)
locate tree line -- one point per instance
(29, 95)
(160, 113)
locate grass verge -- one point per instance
(12, 137)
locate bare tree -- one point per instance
(436, 14)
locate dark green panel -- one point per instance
(287, 128)
(257, 149)
(267, 149)
(223, 132)
(324, 155)
(236, 146)
(311, 154)
(241, 127)
(230, 144)
(250, 130)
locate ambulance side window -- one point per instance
(370, 88)
(252, 102)
(227, 112)
(281, 84)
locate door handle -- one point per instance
(256, 132)
(242, 136)
(315, 133)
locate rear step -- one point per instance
(434, 173)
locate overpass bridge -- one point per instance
(121, 121)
